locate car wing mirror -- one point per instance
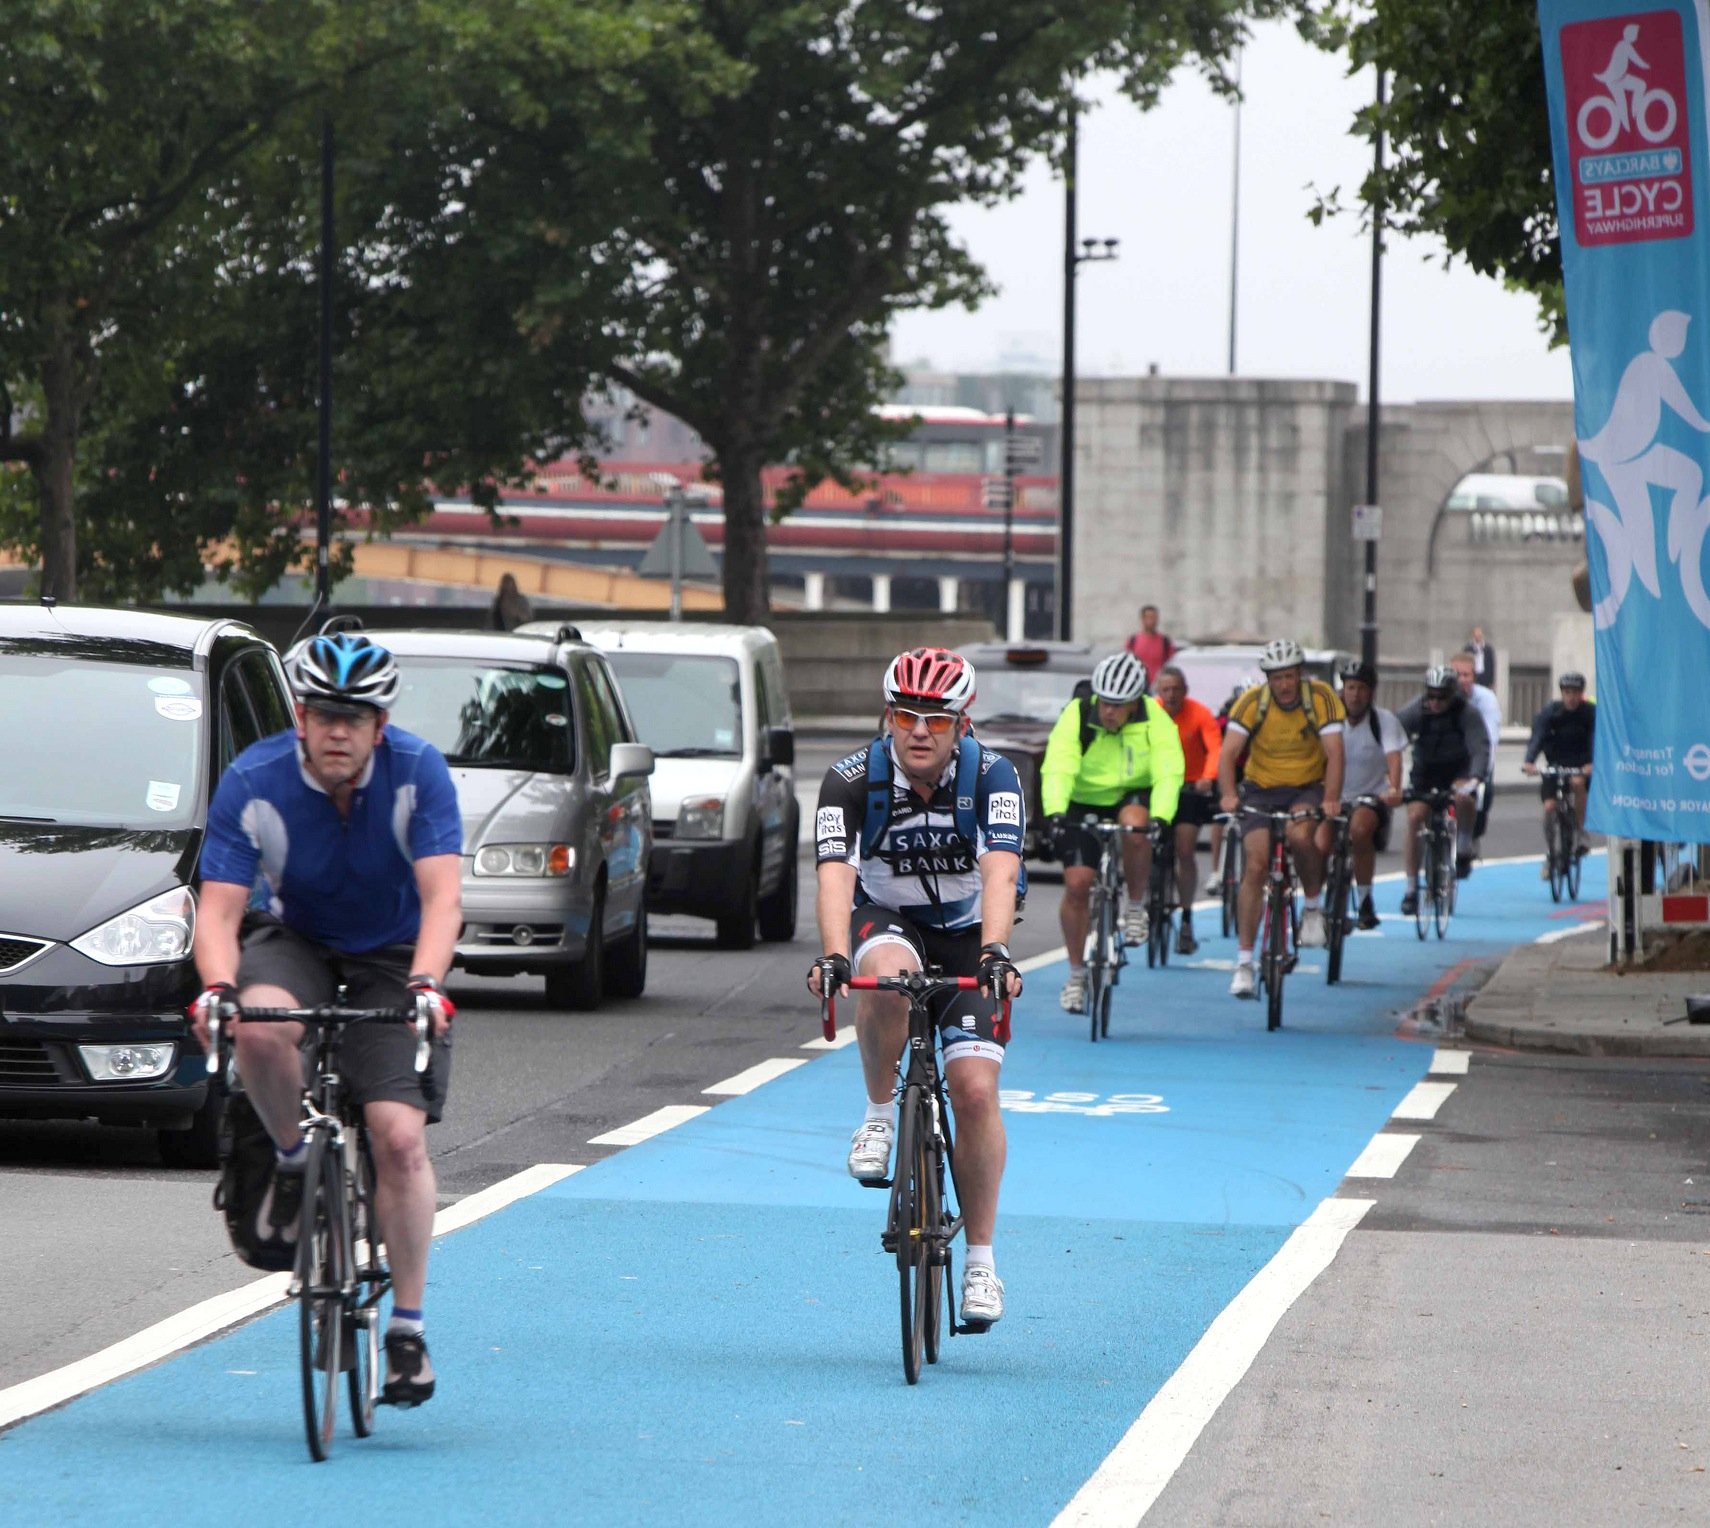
(631, 760)
(780, 746)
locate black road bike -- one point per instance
(1106, 951)
(341, 1274)
(1162, 899)
(1231, 866)
(1279, 931)
(1434, 880)
(1340, 893)
(1561, 832)
(922, 1220)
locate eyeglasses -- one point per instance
(937, 722)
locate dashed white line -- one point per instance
(1423, 1100)
(208, 1317)
(845, 1036)
(1450, 1062)
(747, 1081)
(649, 1125)
(1123, 1488)
(1383, 1156)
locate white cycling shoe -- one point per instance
(982, 1294)
(870, 1150)
(1136, 925)
(1312, 935)
(1073, 997)
(1244, 983)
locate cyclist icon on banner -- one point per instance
(1633, 460)
(1602, 119)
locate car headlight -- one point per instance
(534, 860)
(701, 819)
(156, 931)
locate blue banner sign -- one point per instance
(1627, 130)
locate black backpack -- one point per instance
(246, 1169)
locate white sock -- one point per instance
(292, 1161)
(1365, 889)
(406, 1326)
(980, 1257)
(882, 1114)
(1244, 957)
(1311, 904)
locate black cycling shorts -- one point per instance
(377, 1061)
(967, 1022)
(1078, 846)
(1384, 814)
(1198, 810)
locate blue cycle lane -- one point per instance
(702, 1328)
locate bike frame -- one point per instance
(1279, 921)
(1562, 857)
(1107, 953)
(1434, 877)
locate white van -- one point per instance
(711, 703)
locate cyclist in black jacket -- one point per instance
(1563, 731)
(1451, 751)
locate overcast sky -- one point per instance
(1161, 182)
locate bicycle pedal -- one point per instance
(888, 1241)
(874, 1182)
(972, 1328)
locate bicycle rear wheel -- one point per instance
(321, 1263)
(1276, 957)
(906, 1219)
(1553, 853)
(363, 1313)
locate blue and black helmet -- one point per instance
(344, 669)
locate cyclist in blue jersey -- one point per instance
(350, 832)
(918, 843)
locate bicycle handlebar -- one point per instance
(916, 985)
(326, 1016)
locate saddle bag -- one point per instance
(246, 1170)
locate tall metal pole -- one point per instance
(323, 486)
(1009, 631)
(1066, 472)
(1368, 625)
(1235, 219)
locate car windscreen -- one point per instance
(1037, 693)
(685, 705)
(488, 715)
(98, 743)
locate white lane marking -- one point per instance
(1134, 1474)
(1036, 962)
(649, 1125)
(1423, 1100)
(748, 1081)
(1555, 935)
(1383, 1156)
(214, 1315)
(1450, 1062)
(845, 1036)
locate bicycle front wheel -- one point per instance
(1553, 855)
(906, 1219)
(1335, 919)
(362, 1315)
(1570, 858)
(321, 1263)
(935, 1251)
(1276, 957)
(1231, 880)
(1443, 898)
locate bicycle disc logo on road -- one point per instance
(1696, 761)
(1624, 81)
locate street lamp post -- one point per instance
(1074, 256)
(1368, 623)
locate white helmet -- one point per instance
(1119, 679)
(1440, 680)
(1280, 654)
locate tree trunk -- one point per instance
(55, 472)
(747, 581)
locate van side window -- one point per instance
(621, 730)
(596, 722)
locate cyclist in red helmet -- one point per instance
(919, 839)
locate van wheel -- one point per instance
(736, 930)
(582, 985)
(778, 910)
(198, 1145)
(626, 961)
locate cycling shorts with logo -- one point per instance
(967, 1022)
(377, 1061)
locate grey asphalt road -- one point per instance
(1549, 1206)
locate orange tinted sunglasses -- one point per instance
(937, 722)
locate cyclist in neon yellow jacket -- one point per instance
(1117, 755)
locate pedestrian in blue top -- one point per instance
(348, 833)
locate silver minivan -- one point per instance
(557, 814)
(711, 702)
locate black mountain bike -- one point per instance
(1279, 930)
(921, 1221)
(1561, 833)
(341, 1274)
(1162, 900)
(1434, 882)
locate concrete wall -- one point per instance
(1219, 500)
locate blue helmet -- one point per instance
(343, 671)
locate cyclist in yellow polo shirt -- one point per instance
(1118, 757)
(1290, 728)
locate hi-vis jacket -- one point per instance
(1147, 752)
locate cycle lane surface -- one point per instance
(703, 1328)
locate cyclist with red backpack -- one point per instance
(918, 844)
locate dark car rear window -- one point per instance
(100, 743)
(488, 715)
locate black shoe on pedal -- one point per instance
(409, 1374)
(281, 1208)
(1409, 903)
(1368, 918)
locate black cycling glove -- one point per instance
(993, 972)
(834, 973)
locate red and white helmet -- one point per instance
(932, 676)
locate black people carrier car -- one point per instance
(117, 724)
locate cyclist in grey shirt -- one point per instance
(1373, 742)
(1483, 699)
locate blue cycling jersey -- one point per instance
(346, 882)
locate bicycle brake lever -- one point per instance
(1001, 1031)
(424, 1025)
(828, 1011)
(214, 1043)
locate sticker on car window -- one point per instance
(163, 795)
(164, 685)
(178, 708)
(723, 737)
(550, 681)
(556, 719)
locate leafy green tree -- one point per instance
(1467, 132)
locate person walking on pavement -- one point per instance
(1483, 657)
(1152, 647)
